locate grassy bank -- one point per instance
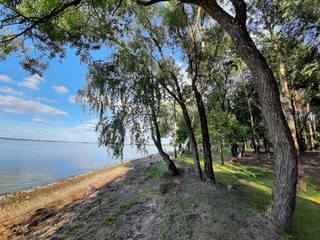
(253, 184)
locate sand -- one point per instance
(19, 208)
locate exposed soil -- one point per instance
(123, 202)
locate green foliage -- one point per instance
(54, 25)
(225, 127)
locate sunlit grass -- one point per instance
(254, 184)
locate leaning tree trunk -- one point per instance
(192, 138)
(208, 167)
(156, 137)
(288, 106)
(285, 170)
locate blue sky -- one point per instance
(44, 108)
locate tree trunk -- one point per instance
(285, 170)
(208, 167)
(242, 150)
(156, 137)
(234, 150)
(255, 137)
(312, 140)
(192, 138)
(221, 153)
(175, 131)
(288, 103)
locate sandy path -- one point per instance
(18, 208)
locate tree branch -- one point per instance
(150, 2)
(44, 19)
(241, 10)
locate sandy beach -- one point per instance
(19, 208)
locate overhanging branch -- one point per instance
(150, 2)
(55, 12)
(241, 10)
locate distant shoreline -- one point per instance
(41, 140)
(59, 141)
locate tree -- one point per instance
(152, 38)
(124, 95)
(187, 34)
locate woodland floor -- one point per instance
(137, 200)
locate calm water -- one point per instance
(25, 164)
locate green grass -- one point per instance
(122, 209)
(126, 206)
(156, 171)
(253, 184)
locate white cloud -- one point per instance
(5, 78)
(32, 82)
(9, 90)
(89, 126)
(44, 120)
(183, 74)
(60, 89)
(44, 99)
(16, 105)
(72, 99)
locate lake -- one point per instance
(26, 164)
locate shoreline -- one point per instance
(30, 189)
(17, 208)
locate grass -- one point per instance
(156, 171)
(253, 184)
(122, 209)
(111, 220)
(126, 206)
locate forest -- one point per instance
(210, 75)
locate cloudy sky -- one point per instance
(44, 107)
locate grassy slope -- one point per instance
(253, 184)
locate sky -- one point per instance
(35, 107)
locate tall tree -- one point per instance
(126, 98)
(187, 32)
(152, 38)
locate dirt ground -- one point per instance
(122, 202)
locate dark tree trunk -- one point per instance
(192, 138)
(221, 154)
(156, 137)
(208, 167)
(285, 170)
(175, 131)
(234, 150)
